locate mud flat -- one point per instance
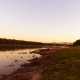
(33, 70)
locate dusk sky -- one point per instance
(40, 20)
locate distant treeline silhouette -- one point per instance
(4, 41)
(77, 42)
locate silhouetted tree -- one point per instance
(4, 41)
(77, 42)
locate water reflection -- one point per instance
(8, 48)
(11, 60)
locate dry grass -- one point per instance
(65, 65)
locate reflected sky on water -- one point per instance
(11, 60)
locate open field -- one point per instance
(64, 65)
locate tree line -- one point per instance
(4, 41)
(77, 42)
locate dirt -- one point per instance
(33, 70)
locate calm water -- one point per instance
(11, 60)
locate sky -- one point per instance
(40, 20)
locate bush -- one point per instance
(77, 42)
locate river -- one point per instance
(11, 60)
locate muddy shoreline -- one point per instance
(34, 69)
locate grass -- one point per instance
(64, 65)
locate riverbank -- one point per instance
(33, 70)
